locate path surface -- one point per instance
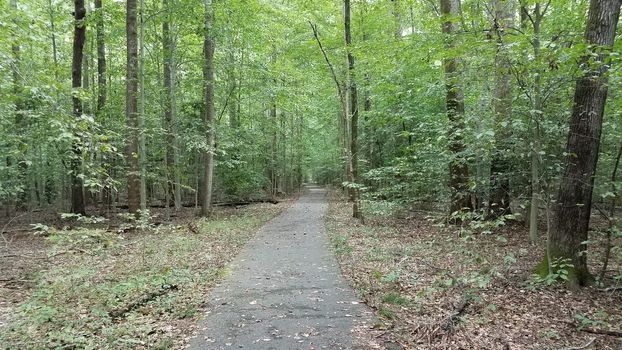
(285, 290)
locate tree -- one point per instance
(19, 111)
(458, 167)
(171, 161)
(535, 17)
(142, 149)
(574, 197)
(131, 110)
(77, 191)
(102, 92)
(353, 113)
(502, 105)
(208, 80)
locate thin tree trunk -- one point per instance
(536, 116)
(77, 194)
(208, 76)
(273, 149)
(458, 167)
(22, 166)
(574, 198)
(101, 57)
(353, 115)
(142, 149)
(502, 105)
(233, 88)
(131, 110)
(167, 50)
(100, 39)
(53, 38)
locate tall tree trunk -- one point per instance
(574, 198)
(535, 115)
(208, 76)
(397, 18)
(458, 167)
(502, 105)
(353, 114)
(101, 57)
(169, 96)
(102, 85)
(22, 165)
(131, 110)
(274, 176)
(142, 149)
(232, 106)
(77, 194)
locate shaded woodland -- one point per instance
(478, 115)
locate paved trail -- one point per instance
(285, 290)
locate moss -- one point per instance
(575, 277)
(542, 269)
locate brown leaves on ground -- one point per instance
(433, 289)
(97, 288)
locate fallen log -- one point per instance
(220, 204)
(121, 312)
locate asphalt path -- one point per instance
(285, 290)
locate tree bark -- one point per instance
(536, 116)
(353, 114)
(169, 96)
(502, 105)
(574, 198)
(101, 57)
(142, 149)
(18, 86)
(458, 167)
(274, 176)
(208, 76)
(77, 194)
(131, 110)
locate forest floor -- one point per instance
(447, 287)
(116, 284)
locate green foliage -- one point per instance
(395, 299)
(341, 244)
(109, 293)
(598, 320)
(559, 270)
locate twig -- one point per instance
(119, 313)
(586, 345)
(617, 334)
(330, 65)
(612, 333)
(453, 318)
(18, 256)
(6, 242)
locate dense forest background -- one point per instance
(456, 106)
(471, 149)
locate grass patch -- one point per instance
(111, 291)
(395, 299)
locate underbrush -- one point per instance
(468, 286)
(142, 289)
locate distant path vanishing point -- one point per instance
(285, 290)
